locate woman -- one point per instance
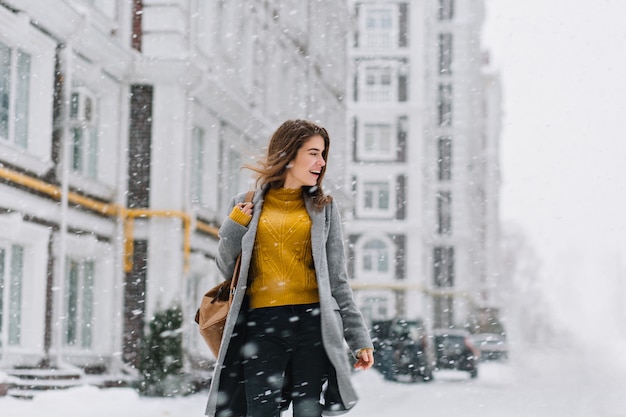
(284, 337)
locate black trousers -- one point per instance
(283, 353)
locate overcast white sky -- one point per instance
(563, 66)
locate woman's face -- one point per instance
(305, 168)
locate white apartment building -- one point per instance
(424, 122)
(123, 125)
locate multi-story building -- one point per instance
(123, 126)
(423, 160)
(385, 117)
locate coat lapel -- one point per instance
(317, 233)
(247, 241)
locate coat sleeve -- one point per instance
(355, 330)
(229, 244)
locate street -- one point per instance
(573, 382)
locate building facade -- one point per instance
(123, 126)
(423, 115)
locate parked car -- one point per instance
(491, 346)
(401, 350)
(455, 350)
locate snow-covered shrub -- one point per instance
(162, 356)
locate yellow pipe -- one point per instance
(128, 215)
(207, 228)
(54, 191)
(97, 206)
(129, 243)
(135, 213)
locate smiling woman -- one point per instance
(307, 166)
(285, 332)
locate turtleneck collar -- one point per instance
(285, 194)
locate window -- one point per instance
(27, 57)
(375, 307)
(446, 9)
(79, 302)
(381, 81)
(375, 257)
(197, 165)
(378, 84)
(444, 105)
(444, 212)
(444, 159)
(403, 25)
(83, 128)
(443, 306)
(11, 282)
(443, 261)
(14, 93)
(379, 27)
(377, 139)
(445, 53)
(376, 196)
(443, 316)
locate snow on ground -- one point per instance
(569, 382)
(553, 384)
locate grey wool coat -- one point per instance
(340, 318)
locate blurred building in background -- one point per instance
(423, 117)
(123, 126)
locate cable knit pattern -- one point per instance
(282, 268)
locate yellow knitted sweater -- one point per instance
(281, 269)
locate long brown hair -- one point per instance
(283, 148)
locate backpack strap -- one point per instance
(249, 196)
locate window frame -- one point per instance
(84, 158)
(375, 274)
(443, 267)
(444, 212)
(376, 304)
(83, 337)
(375, 259)
(381, 38)
(210, 182)
(90, 79)
(444, 158)
(14, 129)
(377, 212)
(102, 254)
(445, 10)
(445, 105)
(377, 153)
(445, 45)
(12, 283)
(36, 155)
(34, 239)
(378, 91)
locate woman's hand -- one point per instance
(365, 359)
(246, 208)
